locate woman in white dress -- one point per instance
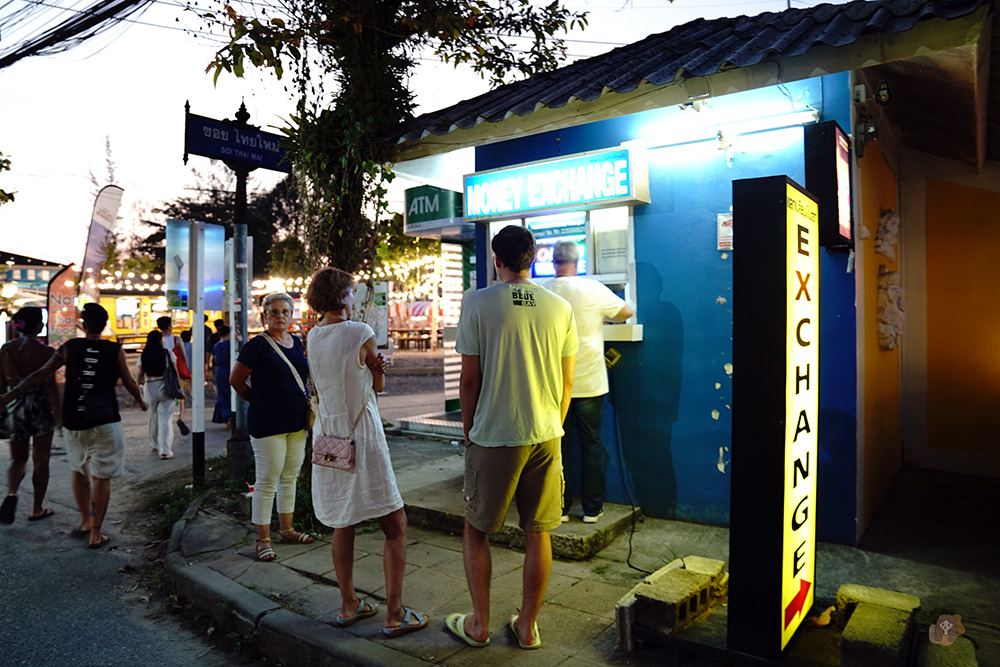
(347, 371)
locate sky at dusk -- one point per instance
(129, 85)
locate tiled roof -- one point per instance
(699, 48)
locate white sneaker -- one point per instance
(593, 519)
(565, 518)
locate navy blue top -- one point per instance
(277, 405)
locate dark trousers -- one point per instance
(584, 417)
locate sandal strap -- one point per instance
(295, 536)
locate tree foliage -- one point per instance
(4, 195)
(339, 139)
(271, 215)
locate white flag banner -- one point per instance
(99, 240)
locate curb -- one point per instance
(283, 636)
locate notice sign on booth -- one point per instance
(775, 414)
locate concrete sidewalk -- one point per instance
(292, 603)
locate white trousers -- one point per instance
(278, 459)
(161, 414)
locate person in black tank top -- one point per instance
(92, 428)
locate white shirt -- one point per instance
(592, 301)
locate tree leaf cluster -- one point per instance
(339, 139)
(271, 215)
(4, 195)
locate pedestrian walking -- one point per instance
(175, 345)
(153, 364)
(518, 345)
(33, 418)
(347, 372)
(274, 362)
(92, 427)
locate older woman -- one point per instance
(34, 415)
(347, 371)
(275, 365)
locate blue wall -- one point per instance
(673, 390)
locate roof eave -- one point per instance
(928, 36)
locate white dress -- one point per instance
(344, 498)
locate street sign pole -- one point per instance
(238, 448)
(196, 281)
(243, 148)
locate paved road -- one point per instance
(62, 604)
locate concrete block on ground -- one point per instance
(292, 639)
(224, 599)
(676, 599)
(877, 636)
(672, 565)
(715, 569)
(960, 654)
(850, 595)
(624, 620)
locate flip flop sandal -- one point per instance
(456, 625)
(79, 532)
(104, 540)
(513, 628)
(294, 537)
(406, 625)
(364, 610)
(7, 510)
(46, 513)
(264, 551)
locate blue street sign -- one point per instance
(228, 141)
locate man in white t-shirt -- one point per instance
(593, 303)
(518, 343)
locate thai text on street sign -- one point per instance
(224, 140)
(776, 329)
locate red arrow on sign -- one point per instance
(795, 606)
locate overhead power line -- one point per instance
(74, 30)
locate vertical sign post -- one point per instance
(772, 540)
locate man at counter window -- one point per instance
(592, 304)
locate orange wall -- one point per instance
(963, 319)
(881, 373)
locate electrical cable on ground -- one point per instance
(621, 470)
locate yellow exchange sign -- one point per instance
(801, 410)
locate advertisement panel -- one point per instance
(178, 255)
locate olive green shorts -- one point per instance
(531, 475)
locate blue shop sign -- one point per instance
(223, 140)
(604, 178)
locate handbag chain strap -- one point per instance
(357, 420)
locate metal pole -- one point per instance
(196, 281)
(238, 448)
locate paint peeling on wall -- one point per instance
(729, 369)
(720, 300)
(723, 459)
(890, 309)
(715, 415)
(888, 231)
